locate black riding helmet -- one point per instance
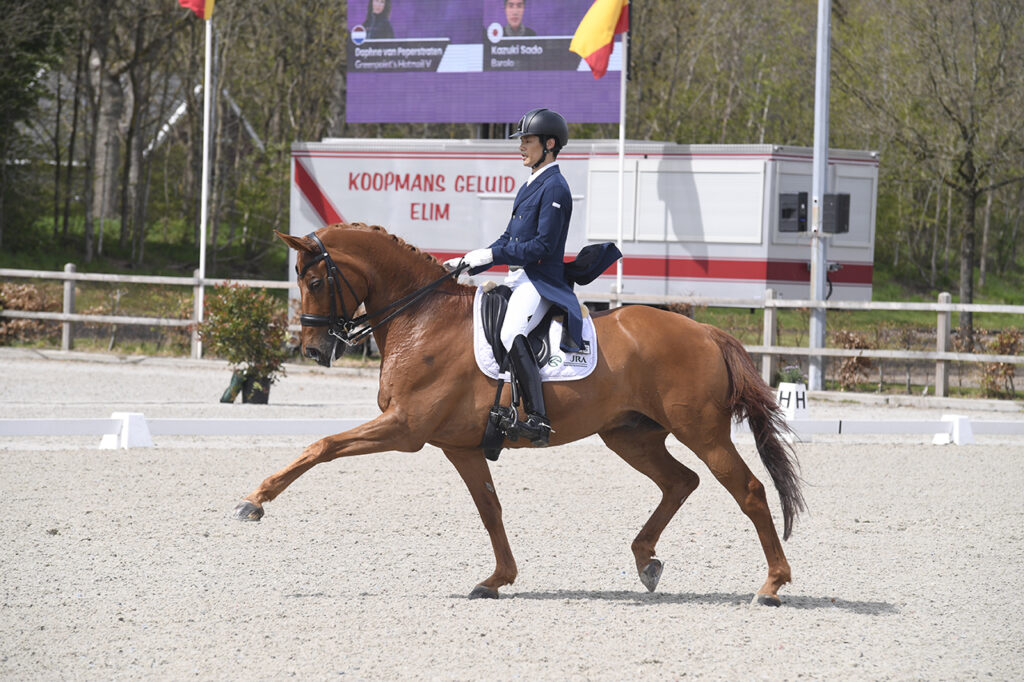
(544, 123)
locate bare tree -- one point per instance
(738, 72)
(942, 79)
(126, 39)
(30, 39)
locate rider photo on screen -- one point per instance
(378, 20)
(514, 10)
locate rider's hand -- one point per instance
(452, 263)
(478, 258)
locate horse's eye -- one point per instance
(315, 284)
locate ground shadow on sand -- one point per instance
(874, 608)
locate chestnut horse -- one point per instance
(658, 373)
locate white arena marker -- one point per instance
(792, 398)
(134, 432)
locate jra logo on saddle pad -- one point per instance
(560, 365)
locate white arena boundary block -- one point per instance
(250, 427)
(955, 429)
(59, 427)
(960, 431)
(132, 430)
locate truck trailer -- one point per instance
(723, 221)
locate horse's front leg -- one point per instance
(473, 468)
(387, 432)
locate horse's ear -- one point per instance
(297, 243)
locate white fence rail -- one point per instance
(768, 350)
(70, 275)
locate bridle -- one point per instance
(345, 328)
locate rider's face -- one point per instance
(378, 6)
(531, 150)
(514, 12)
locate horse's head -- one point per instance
(329, 298)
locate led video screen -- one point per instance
(471, 61)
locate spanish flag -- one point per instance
(596, 34)
(202, 8)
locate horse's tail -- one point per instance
(752, 399)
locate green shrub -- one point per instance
(243, 326)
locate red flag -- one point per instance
(202, 8)
(595, 36)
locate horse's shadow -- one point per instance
(873, 608)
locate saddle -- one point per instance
(493, 307)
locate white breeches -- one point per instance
(526, 308)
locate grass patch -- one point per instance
(169, 250)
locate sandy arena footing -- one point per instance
(124, 564)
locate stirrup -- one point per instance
(537, 429)
(506, 420)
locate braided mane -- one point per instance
(402, 266)
(393, 237)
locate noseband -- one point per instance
(345, 328)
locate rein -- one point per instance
(353, 330)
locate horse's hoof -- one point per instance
(247, 511)
(483, 592)
(652, 574)
(767, 600)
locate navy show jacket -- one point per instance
(535, 239)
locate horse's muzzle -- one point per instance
(321, 356)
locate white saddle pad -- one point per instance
(561, 366)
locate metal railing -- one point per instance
(769, 350)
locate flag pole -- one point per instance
(819, 186)
(205, 192)
(622, 163)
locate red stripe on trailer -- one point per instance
(739, 269)
(758, 270)
(315, 196)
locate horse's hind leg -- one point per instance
(732, 472)
(644, 449)
(472, 467)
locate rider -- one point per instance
(533, 246)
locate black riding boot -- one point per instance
(536, 428)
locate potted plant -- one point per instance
(243, 326)
(791, 374)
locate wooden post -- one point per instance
(769, 363)
(67, 338)
(197, 313)
(942, 328)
